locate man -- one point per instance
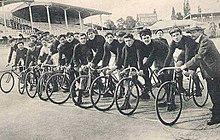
(208, 58)
(96, 43)
(159, 33)
(111, 47)
(67, 48)
(188, 49)
(120, 38)
(153, 51)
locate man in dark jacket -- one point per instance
(208, 58)
(153, 51)
(96, 43)
(159, 33)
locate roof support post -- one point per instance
(91, 20)
(65, 16)
(4, 16)
(80, 20)
(101, 23)
(48, 17)
(31, 17)
(212, 16)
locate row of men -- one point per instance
(76, 50)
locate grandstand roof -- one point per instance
(56, 11)
(6, 2)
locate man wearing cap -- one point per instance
(21, 54)
(111, 48)
(96, 43)
(208, 58)
(188, 49)
(13, 48)
(159, 34)
(154, 52)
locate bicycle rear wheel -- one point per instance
(80, 91)
(31, 84)
(7, 82)
(57, 88)
(102, 92)
(200, 99)
(42, 85)
(169, 108)
(127, 96)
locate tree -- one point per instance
(110, 24)
(179, 16)
(173, 15)
(186, 8)
(121, 23)
(129, 23)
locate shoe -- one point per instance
(213, 121)
(211, 109)
(85, 93)
(145, 96)
(107, 94)
(125, 106)
(79, 99)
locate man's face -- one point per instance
(91, 35)
(159, 34)
(120, 39)
(62, 40)
(109, 38)
(146, 39)
(76, 36)
(20, 46)
(70, 38)
(82, 39)
(44, 43)
(33, 39)
(129, 41)
(195, 34)
(176, 36)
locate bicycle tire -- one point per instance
(21, 82)
(31, 89)
(55, 88)
(80, 96)
(129, 108)
(7, 77)
(105, 99)
(165, 112)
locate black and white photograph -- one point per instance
(109, 70)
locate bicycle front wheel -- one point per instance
(169, 107)
(31, 84)
(80, 91)
(7, 82)
(127, 96)
(200, 98)
(102, 93)
(57, 88)
(42, 85)
(21, 82)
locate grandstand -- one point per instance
(28, 16)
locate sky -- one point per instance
(124, 8)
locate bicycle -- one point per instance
(48, 71)
(58, 85)
(31, 80)
(80, 87)
(7, 79)
(102, 90)
(169, 97)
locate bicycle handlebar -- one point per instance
(168, 68)
(130, 70)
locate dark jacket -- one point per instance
(188, 47)
(156, 52)
(129, 54)
(21, 54)
(208, 58)
(97, 45)
(115, 48)
(163, 40)
(82, 54)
